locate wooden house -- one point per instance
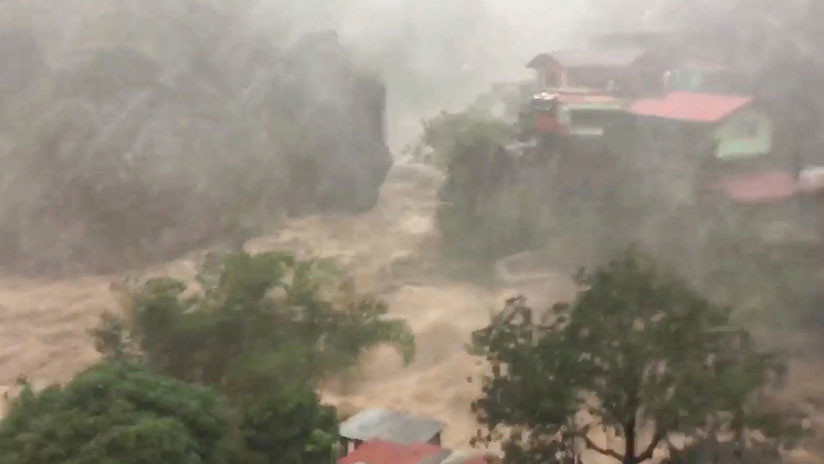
(627, 70)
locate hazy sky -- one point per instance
(437, 54)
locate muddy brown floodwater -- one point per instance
(392, 251)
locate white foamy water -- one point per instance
(392, 251)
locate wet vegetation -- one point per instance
(638, 351)
(210, 129)
(228, 375)
(274, 322)
(116, 152)
(117, 413)
(580, 203)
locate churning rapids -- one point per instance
(391, 251)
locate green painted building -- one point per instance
(733, 125)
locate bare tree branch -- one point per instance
(647, 454)
(606, 452)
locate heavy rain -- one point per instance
(411, 231)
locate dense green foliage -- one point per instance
(580, 200)
(637, 350)
(447, 135)
(721, 452)
(261, 322)
(291, 426)
(476, 218)
(263, 330)
(122, 413)
(114, 413)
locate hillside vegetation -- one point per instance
(130, 133)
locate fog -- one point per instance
(94, 81)
(138, 136)
(439, 55)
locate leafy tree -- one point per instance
(262, 322)
(115, 413)
(291, 426)
(714, 451)
(446, 134)
(265, 329)
(637, 350)
(485, 206)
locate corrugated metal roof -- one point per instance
(693, 107)
(389, 425)
(384, 452)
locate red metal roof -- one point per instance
(760, 188)
(384, 452)
(694, 107)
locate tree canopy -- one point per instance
(261, 322)
(291, 426)
(123, 413)
(115, 413)
(264, 330)
(638, 350)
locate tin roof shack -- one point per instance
(633, 71)
(390, 426)
(728, 127)
(385, 452)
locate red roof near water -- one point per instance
(760, 188)
(693, 107)
(384, 452)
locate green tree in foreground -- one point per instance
(261, 323)
(122, 413)
(637, 351)
(291, 427)
(264, 330)
(114, 413)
